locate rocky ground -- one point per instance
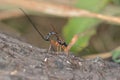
(22, 61)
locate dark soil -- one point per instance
(22, 61)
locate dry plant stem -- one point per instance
(102, 55)
(58, 10)
(72, 42)
(75, 38)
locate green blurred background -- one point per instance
(101, 36)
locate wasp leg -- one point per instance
(51, 48)
(60, 48)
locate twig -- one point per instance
(102, 55)
(72, 42)
(76, 37)
(58, 10)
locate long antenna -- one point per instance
(52, 26)
(34, 26)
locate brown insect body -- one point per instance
(58, 45)
(58, 42)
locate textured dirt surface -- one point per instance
(22, 61)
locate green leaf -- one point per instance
(79, 25)
(116, 56)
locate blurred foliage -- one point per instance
(117, 2)
(80, 25)
(116, 56)
(116, 53)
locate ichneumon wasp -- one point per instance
(58, 42)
